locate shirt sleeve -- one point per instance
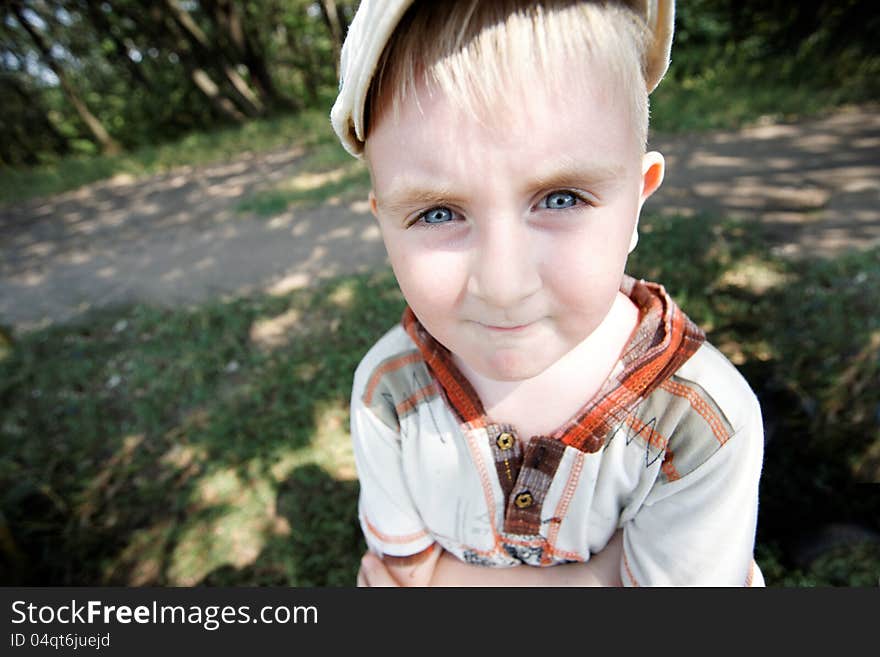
(389, 519)
(698, 529)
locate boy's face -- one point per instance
(509, 233)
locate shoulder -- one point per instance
(709, 412)
(713, 378)
(392, 348)
(392, 378)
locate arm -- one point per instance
(389, 519)
(442, 569)
(697, 527)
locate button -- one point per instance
(504, 441)
(524, 500)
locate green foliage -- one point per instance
(148, 75)
(735, 62)
(209, 445)
(856, 564)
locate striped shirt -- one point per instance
(669, 450)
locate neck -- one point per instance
(544, 402)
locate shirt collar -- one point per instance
(663, 340)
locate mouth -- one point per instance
(505, 328)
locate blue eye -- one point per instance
(559, 201)
(439, 215)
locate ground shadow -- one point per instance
(219, 452)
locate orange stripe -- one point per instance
(561, 508)
(487, 487)
(386, 538)
(385, 368)
(629, 574)
(700, 406)
(571, 556)
(459, 391)
(634, 386)
(410, 402)
(598, 416)
(751, 574)
(410, 560)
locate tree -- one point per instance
(101, 135)
(202, 50)
(240, 43)
(121, 57)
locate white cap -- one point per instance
(375, 22)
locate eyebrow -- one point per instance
(408, 195)
(570, 173)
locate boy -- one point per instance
(535, 406)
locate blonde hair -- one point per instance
(476, 51)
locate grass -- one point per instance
(316, 183)
(729, 86)
(199, 148)
(148, 446)
(144, 446)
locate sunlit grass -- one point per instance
(148, 446)
(327, 172)
(728, 86)
(308, 130)
(310, 188)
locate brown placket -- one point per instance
(507, 454)
(524, 477)
(526, 500)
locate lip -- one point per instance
(507, 329)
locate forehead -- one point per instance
(582, 118)
(476, 52)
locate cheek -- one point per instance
(432, 282)
(584, 276)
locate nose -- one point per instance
(504, 268)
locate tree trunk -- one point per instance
(247, 99)
(202, 80)
(228, 20)
(208, 87)
(108, 145)
(337, 30)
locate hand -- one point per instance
(373, 572)
(441, 568)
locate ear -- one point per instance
(374, 206)
(653, 169)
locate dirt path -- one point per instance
(177, 239)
